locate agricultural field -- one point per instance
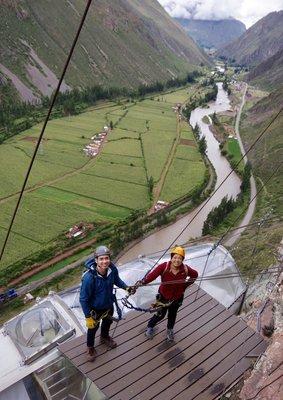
(233, 149)
(187, 170)
(66, 187)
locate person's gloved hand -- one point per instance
(189, 281)
(90, 323)
(139, 283)
(131, 289)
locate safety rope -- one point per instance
(216, 277)
(126, 303)
(155, 307)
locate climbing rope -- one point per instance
(155, 307)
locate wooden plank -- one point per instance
(220, 385)
(132, 320)
(150, 349)
(221, 368)
(199, 365)
(125, 338)
(70, 344)
(163, 364)
(188, 298)
(193, 365)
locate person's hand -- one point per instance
(90, 323)
(131, 289)
(139, 283)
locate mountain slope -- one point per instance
(212, 33)
(258, 43)
(122, 43)
(265, 157)
(269, 73)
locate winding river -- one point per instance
(165, 237)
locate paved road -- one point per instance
(248, 216)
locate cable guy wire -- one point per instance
(44, 126)
(221, 183)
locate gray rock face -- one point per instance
(265, 315)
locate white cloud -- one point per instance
(247, 11)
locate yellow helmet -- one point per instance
(178, 250)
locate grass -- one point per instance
(68, 187)
(179, 96)
(128, 173)
(234, 152)
(265, 157)
(181, 178)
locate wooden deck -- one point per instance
(212, 350)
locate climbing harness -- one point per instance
(158, 305)
(97, 318)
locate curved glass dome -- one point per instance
(37, 327)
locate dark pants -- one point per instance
(105, 327)
(172, 313)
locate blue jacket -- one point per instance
(97, 290)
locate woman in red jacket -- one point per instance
(173, 270)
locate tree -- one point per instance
(245, 185)
(218, 214)
(196, 131)
(150, 186)
(202, 146)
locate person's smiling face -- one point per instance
(103, 263)
(176, 260)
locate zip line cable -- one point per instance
(44, 125)
(225, 276)
(273, 271)
(236, 219)
(257, 193)
(206, 237)
(219, 186)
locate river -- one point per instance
(166, 237)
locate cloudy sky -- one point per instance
(247, 11)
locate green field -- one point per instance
(66, 187)
(233, 149)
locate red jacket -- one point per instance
(173, 291)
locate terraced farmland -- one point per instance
(66, 186)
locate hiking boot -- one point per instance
(170, 335)
(109, 342)
(149, 333)
(91, 354)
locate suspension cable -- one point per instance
(236, 219)
(207, 237)
(275, 170)
(231, 275)
(219, 186)
(44, 125)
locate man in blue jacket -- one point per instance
(97, 298)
